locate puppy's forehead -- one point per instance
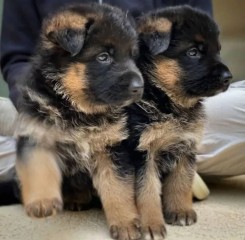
(201, 30)
(116, 28)
(113, 31)
(113, 27)
(204, 32)
(197, 26)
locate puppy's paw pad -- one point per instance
(130, 231)
(156, 232)
(181, 218)
(44, 207)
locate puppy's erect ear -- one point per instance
(155, 33)
(71, 40)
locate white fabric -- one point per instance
(222, 152)
(8, 115)
(7, 158)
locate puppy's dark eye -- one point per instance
(104, 58)
(193, 53)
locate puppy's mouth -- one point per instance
(206, 87)
(221, 89)
(222, 81)
(225, 87)
(120, 99)
(130, 100)
(134, 99)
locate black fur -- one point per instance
(121, 159)
(79, 183)
(24, 145)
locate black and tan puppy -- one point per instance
(180, 63)
(72, 118)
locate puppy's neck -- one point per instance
(180, 100)
(167, 97)
(89, 108)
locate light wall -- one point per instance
(230, 15)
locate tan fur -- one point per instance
(107, 136)
(40, 176)
(148, 196)
(88, 139)
(74, 82)
(115, 193)
(65, 20)
(159, 136)
(75, 86)
(168, 73)
(44, 134)
(61, 21)
(177, 191)
(155, 25)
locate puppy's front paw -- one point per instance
(44, 207)
(181, 218)
(126, 231)
(156, 232)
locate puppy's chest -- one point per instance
(167, 130)
(82, 147)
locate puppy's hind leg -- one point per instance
(177, 193)
(40, 179)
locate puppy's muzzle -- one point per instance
(136, 86)
(223, 76)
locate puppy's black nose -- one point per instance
(226, 76)
(136, 85)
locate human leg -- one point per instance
(222, 151)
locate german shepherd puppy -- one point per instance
(72, 119)
(180, 63)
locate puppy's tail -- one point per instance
(9, 193)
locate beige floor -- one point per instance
(221, 217)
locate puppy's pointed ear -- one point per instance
(155, 33)
(71, 40)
